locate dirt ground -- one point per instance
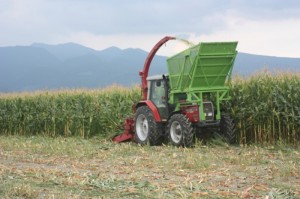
(39, 167)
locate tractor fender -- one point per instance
(152, 107)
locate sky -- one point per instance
(264, 27)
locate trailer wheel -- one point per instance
(227, 128)
(180, 131)
(147, 130)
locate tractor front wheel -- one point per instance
(147, 130)
(180, 131)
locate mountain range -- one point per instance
(42, 66)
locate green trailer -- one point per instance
(200, 73)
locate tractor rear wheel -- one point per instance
(180, 131)
(227, 129)
(147, 130)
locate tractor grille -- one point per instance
(209, 111)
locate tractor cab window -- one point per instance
(157, 93)
(157, 96)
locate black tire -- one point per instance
(147, 130)
(227, 129)
(180, 131)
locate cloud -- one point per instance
(278, 37)
(257, 24)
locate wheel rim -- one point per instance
(142, 129)
(176, 132)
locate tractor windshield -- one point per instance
(157, 96)
(157, 93)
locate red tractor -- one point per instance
(187, 99)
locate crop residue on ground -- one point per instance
(78, 168)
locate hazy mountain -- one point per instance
(70, 65)
(65, 51)
(246, 64)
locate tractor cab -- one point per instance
(158, 93)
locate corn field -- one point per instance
(265, 108)
(82, 113)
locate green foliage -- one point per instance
(82, 113)
(266, 108)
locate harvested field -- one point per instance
(43, 167)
